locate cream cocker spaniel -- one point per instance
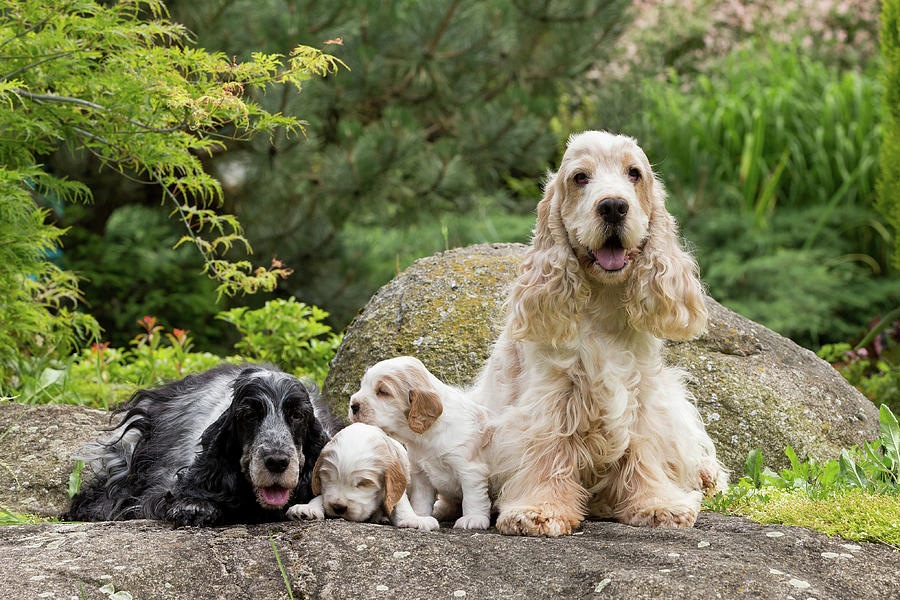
(591, 422)
(446, 432)
(361, 475)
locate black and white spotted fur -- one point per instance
(236, 443)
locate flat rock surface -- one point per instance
(754, 388)
(721, 557)
(36, 450)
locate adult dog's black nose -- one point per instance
(613, 210)
(339, 509)
(277, 463)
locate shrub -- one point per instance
(121, 82)
(889, 181)
(771, 162)
(288, 334)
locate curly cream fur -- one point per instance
(591, 422)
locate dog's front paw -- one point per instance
(299, 512)
(195, 513)
(423, 523)
(473, 522)
(659, 512)
(535, 521)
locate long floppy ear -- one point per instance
(211, 485)
(665, 295)
(396, 476)
(315, 482)
(315, 440)
(550, 287)
(424, 409)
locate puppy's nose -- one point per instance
(354, 408)
(613, 210)
(277, 463)
(338, 509)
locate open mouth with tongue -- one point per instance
(611, 257)
(273, 496)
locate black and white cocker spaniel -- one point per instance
(232, 444)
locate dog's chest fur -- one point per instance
(605, 377)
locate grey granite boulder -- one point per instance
(721, 557)
(753, 387)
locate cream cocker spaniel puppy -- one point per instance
(446, 433)
(361, 475)
(591, 420)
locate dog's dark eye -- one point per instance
(365, 483)
(381, 391)
(634, 174)
(580, 179)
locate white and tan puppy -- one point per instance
(447, 436)
(361, 475)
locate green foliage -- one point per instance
(375, 255)
(131, 270)
(37, 298)
(889, 179)
(873, 365)
(134, 94)
(851, 513)
(74, 483)
(287, 333)
(856, 496)
(874, 468)
(771, 160)
(8, 517)
(445, 104)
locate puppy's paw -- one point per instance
(300, 512)
(473, 522)
(536, 521)
(423, 523)
(196, 513)
(661, 512)
(445, 510)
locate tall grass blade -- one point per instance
(886, 320)
(284, 576)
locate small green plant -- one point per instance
(873, 468)
(287, 333)
(75, 478)
(856, 496)
(287, 582)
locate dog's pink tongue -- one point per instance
(611, 259)
(275, 495)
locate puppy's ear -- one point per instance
(550, 287)
(665, 295)
(394, 485)
(315, 482)
(424, 409)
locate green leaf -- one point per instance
(75, 478)
(851, 472)
(890, 438)
(753, 466)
